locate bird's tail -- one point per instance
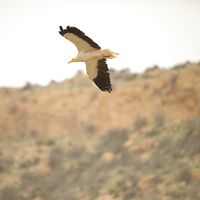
(114, 54)
(110, 54)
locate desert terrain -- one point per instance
(68, 140)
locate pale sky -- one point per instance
(144, 32)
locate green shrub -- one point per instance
(139, 123)
(113, 141)
(159, 118)
(56, 157)
(11, 193)
(6, 164)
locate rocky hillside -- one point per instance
(71, 141)
(155, 97)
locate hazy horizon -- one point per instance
(145, 33)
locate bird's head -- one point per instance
(73, 60)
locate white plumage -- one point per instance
(92, 54)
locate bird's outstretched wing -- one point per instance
(79, 39)
(98, 71)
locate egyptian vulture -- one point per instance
(93, 56)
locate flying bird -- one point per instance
(93, 56)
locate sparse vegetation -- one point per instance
(139, 123)
(124, 74)
(6, 164)
(13, 109)
(173, 81)
(73, 142)
(113, 141)
(77, 171)
(27, 86)
(153, 68)
(179, 66)
(153, 132)
(159, 118)
(90, 128)
(11, 193)
(56, 157)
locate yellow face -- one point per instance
(72, 60)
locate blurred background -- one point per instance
(62, 138)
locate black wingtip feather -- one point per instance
(103, 77)
(102, 86)
(62, 31)
(79, 33)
